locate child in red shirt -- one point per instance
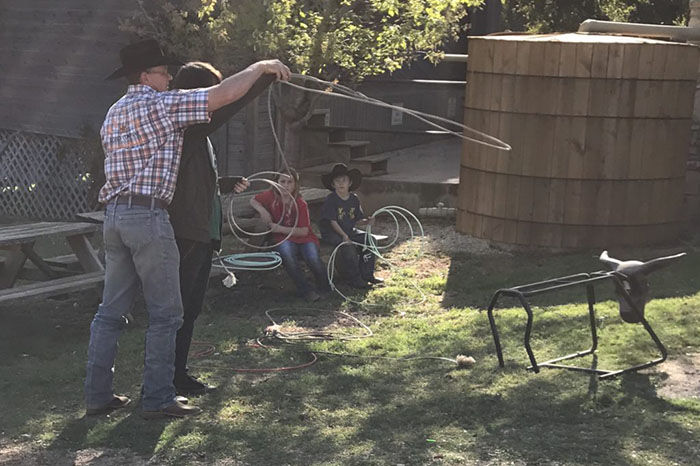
(272, 206)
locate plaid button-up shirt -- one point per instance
(142, 140)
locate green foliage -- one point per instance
(544, 16)
(193, 29)
(350, 39)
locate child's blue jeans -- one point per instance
(290, 252)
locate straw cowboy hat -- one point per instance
(340, 169)
(141, 56)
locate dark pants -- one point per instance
(195, 265)
(353, 262)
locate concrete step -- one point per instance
(371, 165)
(319, 118)
(353, 149)
(349, 143)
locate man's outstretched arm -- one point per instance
(234, 87)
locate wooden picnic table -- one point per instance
(48, 276)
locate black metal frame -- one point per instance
(583, 279)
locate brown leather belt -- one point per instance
(143, 201)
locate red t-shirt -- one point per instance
(274, 206)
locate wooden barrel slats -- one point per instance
(600, 128)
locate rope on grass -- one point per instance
(275, 330)
(211, 348)
(294, 339)
(370, 243)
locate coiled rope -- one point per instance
(370, 244)
(256, 260)
(246, 262)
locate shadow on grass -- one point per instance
(346, 412)
(125, 430)
(358, 412)
(380, 417)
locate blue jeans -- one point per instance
(290, 251)
(139, 246)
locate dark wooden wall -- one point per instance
(246, 146)
(54, 56)
(440, 98)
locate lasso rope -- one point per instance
(349, 94)
(369, 244)
(233, 225)
(257, 260)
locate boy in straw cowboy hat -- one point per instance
(340, 214)
(142, 139)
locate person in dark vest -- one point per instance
(142, 139)
(195, 212)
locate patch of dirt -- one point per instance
(683, 379)
(442, 237)
(23, 454)
(27, 454)
(446, 239)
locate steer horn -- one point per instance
(633, 275)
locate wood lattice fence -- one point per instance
(41, 177)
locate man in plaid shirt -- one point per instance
(142, 139)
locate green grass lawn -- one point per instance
(380, 406)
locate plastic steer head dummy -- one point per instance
(633, 275)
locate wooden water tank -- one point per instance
(600, 130)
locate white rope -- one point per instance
(235, 227)
(371, 245)
(422, 116)
(393, 211)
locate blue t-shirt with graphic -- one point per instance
(344, 211)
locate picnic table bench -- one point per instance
(48, 276)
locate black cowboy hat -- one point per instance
(340, 169)
(141, 56)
